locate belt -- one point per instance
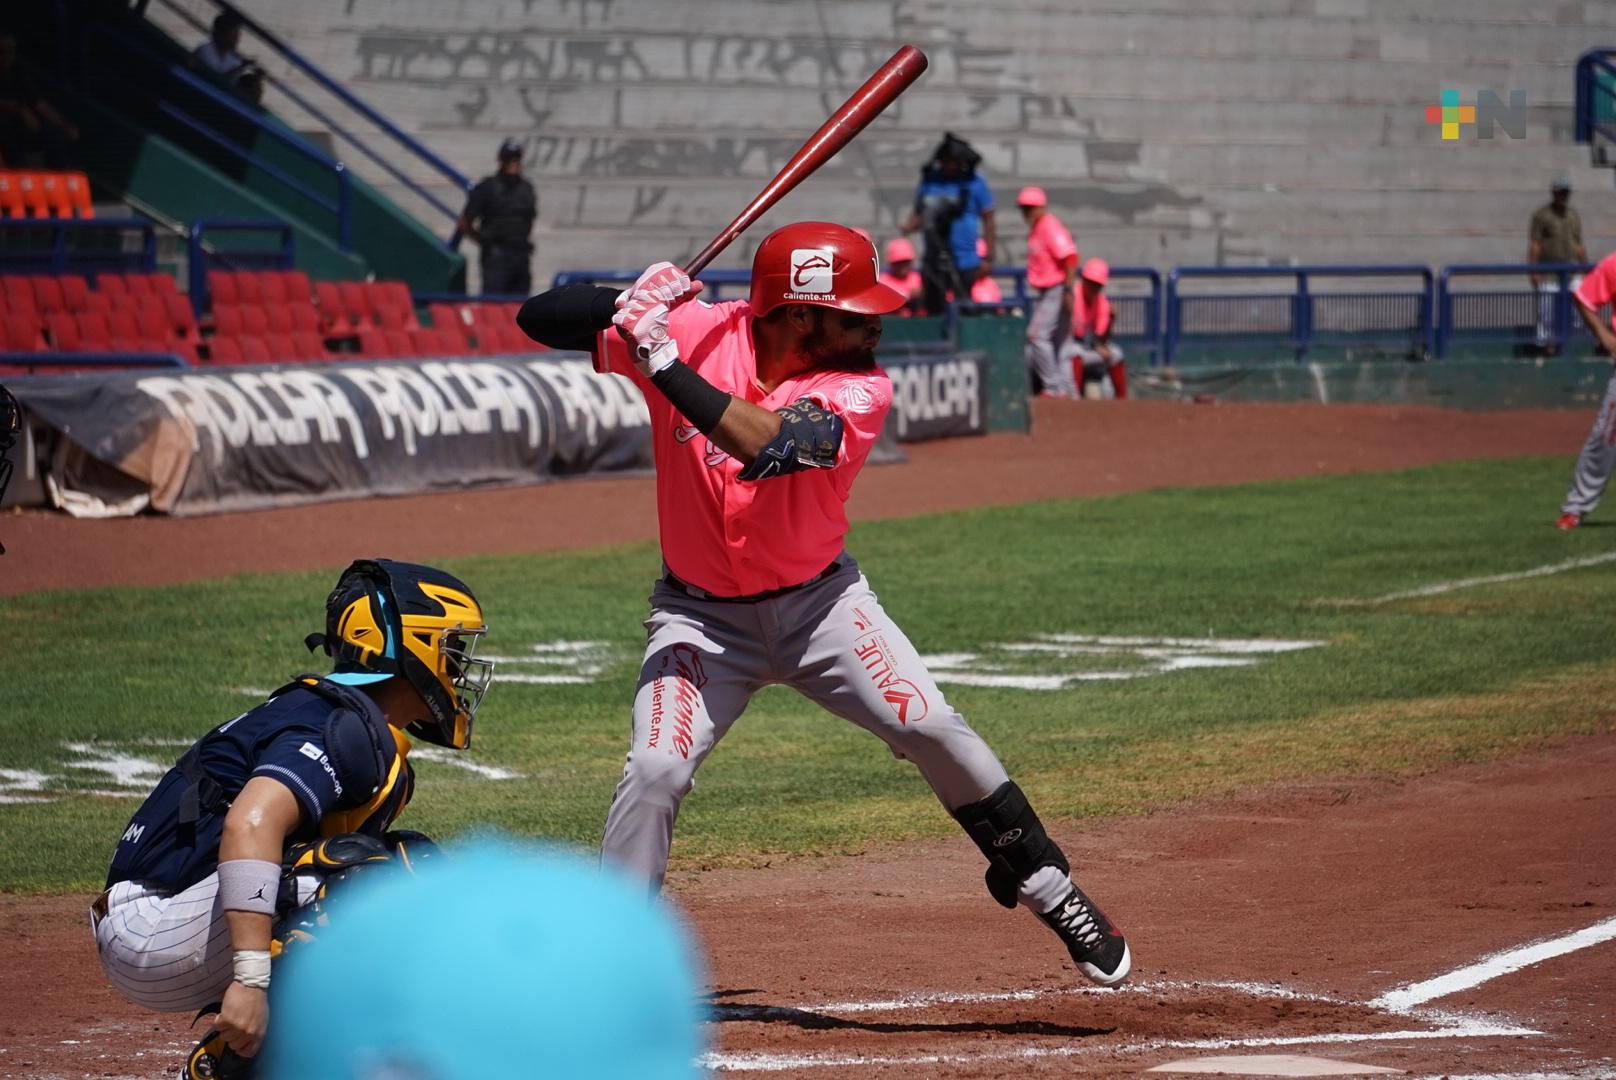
(696, 593)
(98, 908)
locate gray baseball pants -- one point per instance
(832, 643)
(1596, 460)
(1048, 350)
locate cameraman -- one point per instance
(953, 209)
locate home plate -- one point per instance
(1270, 1065)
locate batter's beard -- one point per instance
(825, 357)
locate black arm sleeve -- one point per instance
(568, 317)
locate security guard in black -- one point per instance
(499, 217)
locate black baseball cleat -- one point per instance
(1097, 947)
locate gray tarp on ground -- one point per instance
(223, 439)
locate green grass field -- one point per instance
(98, 685)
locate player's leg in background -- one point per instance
(696, 678)
(168, 953)
(1597, 459)
(1045, 336)
(858, 664)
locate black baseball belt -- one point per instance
(697, 593)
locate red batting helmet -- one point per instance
(815, 262)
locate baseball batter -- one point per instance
(763, 411)
(1598, 455)
(266, 810)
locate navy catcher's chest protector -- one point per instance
(329, 746)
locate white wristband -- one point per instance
(252, 968)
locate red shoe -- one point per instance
(1568, 521)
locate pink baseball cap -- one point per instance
(1097, 270)
(1032, 196)
(900, 250)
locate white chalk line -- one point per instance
(1491, 967)
(1467, 583)
(1402, 1001)
(764, 1062)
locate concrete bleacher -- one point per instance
(1166, 133)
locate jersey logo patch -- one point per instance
(310, 751)
(855, 398)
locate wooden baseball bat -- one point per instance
(868, 101)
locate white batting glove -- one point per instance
(642, 315)
(663, 282)
(643, 323)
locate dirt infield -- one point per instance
(1299, 919)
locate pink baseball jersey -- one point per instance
(733, 537)
(908, 284)
(1599, 287)
(1050, 251)
(984, 290)
(1087, 318)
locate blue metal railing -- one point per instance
(1596, 95)
(409, 144)
(1540, 315)
(271, 249)
(50, 360)
(1301, 317)
(76, 245)
(339, 205)
(718, 282)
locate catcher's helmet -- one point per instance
(815, 262)
(388, 618)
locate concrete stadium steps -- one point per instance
(1167, 131)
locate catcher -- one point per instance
(231, 856)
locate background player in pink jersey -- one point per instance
(901, 275)
(763, 411)
(1598, 455)
(1096, 359)
(1052, 278)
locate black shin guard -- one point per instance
(1011, 836)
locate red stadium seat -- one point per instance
(297, 286)
(139, 284)
(305, 317)
(102, 302)
(222, 287)
(75, 292)
(372, 343)
(254, 320)
(64, 331)
(278, 317)
(154, 324)
(356, 302)
(152, 284)
(111, 282)
(399, 343)
(95, 333)
(33, 194)
(248, 289)
(48, 293)
(283, 348)
(77, 187)
(12, 203)
(446, 315)
(54, 192)
(427, 341)
(271, 286)
(311, 345)
(227, 320)
(18, 289)
(19, 302)
(181, 319)
(394, 298)
(254, 350)
(224, 350)
(454, 341)
(20, 333)
(124, 327)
